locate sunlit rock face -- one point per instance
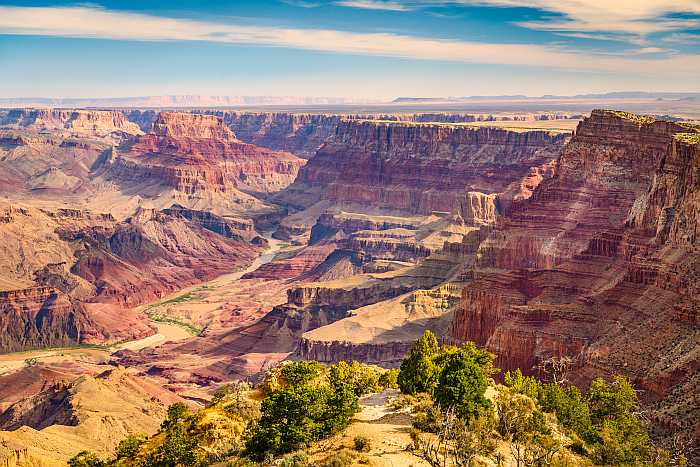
(600, 263)
(418, 168)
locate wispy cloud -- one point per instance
(85, 22)
(626, 17)
(302, 3)
(375, 5)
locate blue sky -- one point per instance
(353, 48)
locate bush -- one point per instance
(292, 418)
(620, 437)
(389, 379)
(129, 446)
(298, 459)
(363, 379)
(344, 458)
(362, 444)
(463, 379)
(177, 413)
(301, 372)
(85, 459)
(178, 449)
(418, 372)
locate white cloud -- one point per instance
(374, 5)
(87, 22)
(630, 17)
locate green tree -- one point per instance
(294, 417)
(85, 459)
(129, 446)
(418, 371)
(463, 379)
(363, 379)
(620, 437)
(389, 379)
(177, 413)
(301, 372)
(177, 450)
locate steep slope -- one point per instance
(418, 168)
(300, 134)
(79, 122)
(70, 273)
(92, 413)
(196, 161)
(600, 264)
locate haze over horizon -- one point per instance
(361, 49)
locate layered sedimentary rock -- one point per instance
(40, 317)
(300, 134)
(88, 122)
(600, 264)
(193, 153)
(68, 274)
(417, 168)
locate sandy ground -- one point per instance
(387, 429)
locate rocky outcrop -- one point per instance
(300, 134)
(417, 168)
(229, 227)
(40, 317)
(143, 118)
(194, 153)
(88, 122)
(596, 264)
(91, 412)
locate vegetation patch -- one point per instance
(640, 119)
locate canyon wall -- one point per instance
(417, 168)
(596, 264)
(191, 152)
(89, 122)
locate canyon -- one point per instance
(273, 236)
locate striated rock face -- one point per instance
(40, 317)
(600, 264)
(478, 209)
(143, 118)
(300, 134)
(229, 227)
(193, 153)
(418, 168)
(89, 122)
(70, 274)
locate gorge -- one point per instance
(533, 243)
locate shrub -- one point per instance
(301, 372)
(363, 379)
(389, 379)
(177, 413)
(463, 379)
(344, 458)
(129, 446)
(292, 418)
(85, 459)
(620, 437)
(362, 444)
(298, 459)
(418, 372)
(178, 449)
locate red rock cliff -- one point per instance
(598, 264)
(418, 168)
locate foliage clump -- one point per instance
(640, 119)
